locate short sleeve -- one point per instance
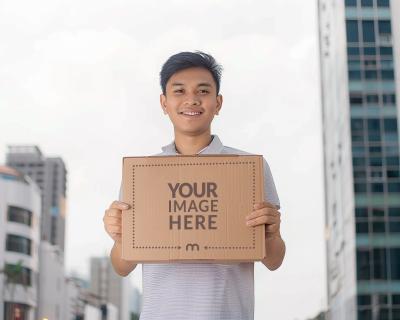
(270, 193)
(120, 193)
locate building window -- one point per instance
(18, 244)
(351, 3)
(363, 264)
(383, 3)
(367, 3)
(379, 264)
(384, 27)
(14, 310)
(20, 215)
(395, 263)
(368, 31)
(24, 277)
(352, 30)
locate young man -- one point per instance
(190, 97)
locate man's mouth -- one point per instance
(191, 113)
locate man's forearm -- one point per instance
(275, 252)
(122, 267)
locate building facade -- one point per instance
(50, 175)
(109, 287)
(20, 208)
(360, 88)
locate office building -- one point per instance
(360, 85)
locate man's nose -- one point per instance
(192, 101)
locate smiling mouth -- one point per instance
(191, 114)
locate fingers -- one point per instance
(119, 205)
(113, 219)
(262, 212)
(264, 219)
(264, 204)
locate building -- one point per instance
(20, 208)
(360, 90)
(51, 282)
(50, 175)
(109, 286)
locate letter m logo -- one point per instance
(192, 246)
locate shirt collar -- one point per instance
(215, 147)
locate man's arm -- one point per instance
(122, 267)
(275, 252)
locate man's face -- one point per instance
(191, 100)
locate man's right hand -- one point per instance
(113, 220)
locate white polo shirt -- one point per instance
(202, 291)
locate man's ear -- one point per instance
(219, 103)
(163, 103)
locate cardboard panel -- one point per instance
(192, 208)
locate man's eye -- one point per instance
(204, 91)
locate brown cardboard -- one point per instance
(160, 188)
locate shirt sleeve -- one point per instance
(270, 193)
(120, 193)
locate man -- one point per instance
(190, 97)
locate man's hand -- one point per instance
(265, 213)
(113, 220)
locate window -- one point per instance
(394, 187)
(351, 3)
(383, 3)
(373, 125)
(394, 226)
(354, 75)
(368, 31)
(369, 51)
(360, 188)
(389, 99)
(357, 124)
(386, 51)
(353, 51)
(19, 244)
(20, 215)
(394, 211)
(392, 161)
(362, 227)
(356, 99)
(372, 99)
(367, 3)
(10, 307)
(395, 263)
(390, 125)
(363, 263)
(384, 27)
(24, 278)
(352, 30)
(380, 264)
(364, 299)
(361, 212)
(387, 74)
(364, 314)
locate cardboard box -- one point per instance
(192, 208)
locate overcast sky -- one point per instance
(81, 80)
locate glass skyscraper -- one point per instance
(360, 90)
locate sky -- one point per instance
(80, 79)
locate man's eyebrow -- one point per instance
(202, 84)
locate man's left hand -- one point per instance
(265, 213)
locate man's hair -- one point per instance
(184, 60)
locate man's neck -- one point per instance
(188, 145)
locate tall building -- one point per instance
(360, 90)
(109, 287)
(51, 176)
(19, 245)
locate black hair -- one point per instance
(184, 60)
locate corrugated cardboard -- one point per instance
(192, 208)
